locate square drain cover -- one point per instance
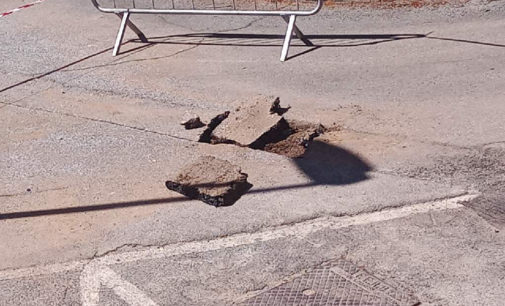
(337, 282)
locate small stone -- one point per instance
(211, 180)
(193, 123)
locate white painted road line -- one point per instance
(94, 276)
(297, 230)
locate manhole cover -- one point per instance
(335, 283)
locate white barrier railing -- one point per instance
(288, 10)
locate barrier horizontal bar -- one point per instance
(210, 11)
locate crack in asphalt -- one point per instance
(122, 246)
(492, 143)
(140, 129)
(249, 24)
(30, 192)
(65, 292)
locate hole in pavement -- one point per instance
(261, 125)
(289, 138)
(294, 141)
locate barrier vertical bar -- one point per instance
(287, 39)
(298, 33)
(120, 34)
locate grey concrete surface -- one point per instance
(403, 251)
(88, 141)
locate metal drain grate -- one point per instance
(337, 282)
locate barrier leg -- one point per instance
(134, 28)
(120, 34)
(125, 21)
(298, 33)
(289, 35)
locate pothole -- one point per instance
(299, 136)
(261, 126)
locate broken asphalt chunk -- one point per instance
(211, 180)
(249, 124)
(214, 122)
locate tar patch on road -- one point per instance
(337, 282)
(491, 207)
(481, 168)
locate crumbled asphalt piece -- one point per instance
(214, 122)
(248, 124)
(214, 181)
(193, 123)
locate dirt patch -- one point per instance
(297, 141)
(287, 138)
(214, 181)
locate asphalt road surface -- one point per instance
(406, 204)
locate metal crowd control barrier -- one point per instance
(288, 10)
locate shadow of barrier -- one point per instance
(323, 164)
(274, 40)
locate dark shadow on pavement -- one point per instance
(467, 41)
(326, 164)
(272, 40)
(88, 208)
(323, 164)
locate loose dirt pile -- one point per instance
(299, 139)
